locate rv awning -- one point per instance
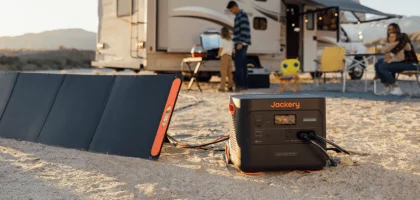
(355, 8)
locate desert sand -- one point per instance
(383, 136)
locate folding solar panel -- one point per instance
(137, 115)
(29, 105)
(76, 111)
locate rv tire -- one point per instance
(357, 72)
(253, 62)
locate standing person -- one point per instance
(241, 39)
(225, 55)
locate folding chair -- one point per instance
(415, 73)
(289, 75)
(332, 61)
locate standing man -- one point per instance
(241, 39)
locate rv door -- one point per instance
(309, 40)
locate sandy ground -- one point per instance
(383, 136)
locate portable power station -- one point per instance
(266, 132)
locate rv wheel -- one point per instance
(357, 72)
(136, 71)
(253, 62)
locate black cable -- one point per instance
(331, 143)
(171, 140)
(206, 144)
(304, 136)
(334, 149)
(333, 163)
(200, 146)
(314, 136)
(189, 106)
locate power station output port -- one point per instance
(258, 120)
(310, 134)
(290, 135)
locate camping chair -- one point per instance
(289, 75)
(415, 73)
(332, 61)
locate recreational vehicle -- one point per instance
(155, 35)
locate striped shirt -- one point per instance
(242, 31)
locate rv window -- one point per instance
(327, 20)
(123, 7)
(310, 24)
(260, 23)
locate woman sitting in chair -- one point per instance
(386, 70)
(393, 27)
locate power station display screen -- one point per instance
(285, 119)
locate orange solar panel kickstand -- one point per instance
(166, 117)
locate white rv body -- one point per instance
(156, 35)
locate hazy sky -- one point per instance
(27, 16)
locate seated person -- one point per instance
(394, 39)
(387, 70)
(393, 27)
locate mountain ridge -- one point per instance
(51, 39)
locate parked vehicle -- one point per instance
(156, 35)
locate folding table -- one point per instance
(189, 61)
(354, 62)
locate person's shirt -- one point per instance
(227, 47)
(399, 56)
(242, 30)
(410, 56)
